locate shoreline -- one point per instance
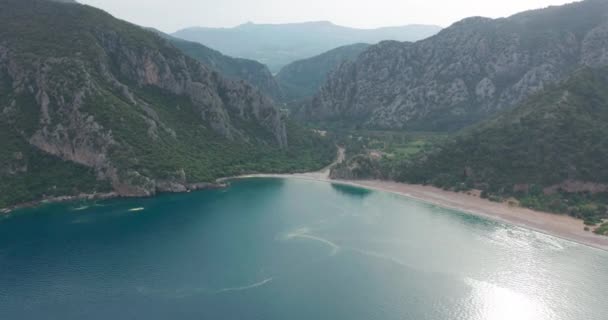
(556, 225)
(60, 199)
(219, 183)
(111, 195)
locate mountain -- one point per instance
(466, 73)
(251, 71)
(300, 80)
(277, 45)
(552, 145)
(89, 103)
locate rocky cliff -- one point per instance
(468, 72)
(106, 97)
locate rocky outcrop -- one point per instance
(219, 99)
(468, 72)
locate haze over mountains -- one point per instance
(277, 45)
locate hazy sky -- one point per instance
(171, 15)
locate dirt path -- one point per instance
(324, 173)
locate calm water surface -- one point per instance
(288, 249)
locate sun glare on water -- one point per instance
(492, 302)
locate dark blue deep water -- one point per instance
(288, 249)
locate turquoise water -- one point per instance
(288, 249)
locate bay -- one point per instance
(288, 249)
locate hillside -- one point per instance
(551, 151)
(251, 71)
(277, 45)
(466, 73)
(300, 80)
(90, 103)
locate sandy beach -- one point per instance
(561, 226)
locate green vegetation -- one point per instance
(602, 230)
(376, 154)
(48, 36)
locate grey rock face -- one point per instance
(467, 72)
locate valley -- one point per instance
(161, 114)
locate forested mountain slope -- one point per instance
(90, 103)
(300, 80)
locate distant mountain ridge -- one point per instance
(255, 73)
(466, 73)
(277, 45)
(300, 80)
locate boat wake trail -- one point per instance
(303, 233)
(252, 286)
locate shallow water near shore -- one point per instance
(288, 249)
